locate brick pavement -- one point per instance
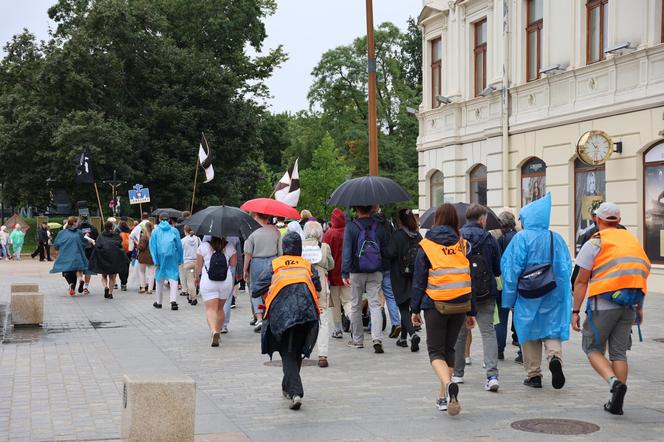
(65, 382)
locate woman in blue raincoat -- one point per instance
(71, 260)
(166, 250)
(544, 320)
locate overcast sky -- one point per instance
(306, 28)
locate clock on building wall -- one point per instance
(594, 147)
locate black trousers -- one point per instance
(124, 274)
(406, 324)
(70, 277)
(290, 349)
(42, 250)
(442, 334)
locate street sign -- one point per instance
(139, 195)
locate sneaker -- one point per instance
(296, 403)
(215, 339)
(557, 376)
(80, 286)
(233, 306)
(395, 331)
(441, 404)
(457, 379)
(453, 406)
(402, 343)
(534, 382)
(189, 301)
(354, 344)
(519, 358)
(224, 330)
(469, 361)
(378, 347)
(492, 384)
(415, 343)
(86, 291)
(194, 302)
(72, 289)
(501, 356)
(615, 404)
(322, 362)
(338, 334)
(156, 305)
(233, 302)
(174, 305)
(258, 326)
(253, 321)
(123, 287)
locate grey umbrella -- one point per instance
(222, 221)
(428, 217)
(171, 213)
(367, 191)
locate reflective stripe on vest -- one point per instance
(620, 264)
(288, 270)
(449, 276)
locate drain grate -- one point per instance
(567, 427)
(305, 363)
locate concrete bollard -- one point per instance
(27, 308)
(158, 408)
(25, 288)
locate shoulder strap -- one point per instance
(551, 234)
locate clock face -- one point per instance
(594, 147)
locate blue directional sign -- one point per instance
(139, 195)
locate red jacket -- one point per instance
(334, 237)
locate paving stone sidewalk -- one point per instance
(64, 382)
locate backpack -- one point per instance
(218, 270)
(368, 249)
(125, 241)
(480, 275)
(407, 262)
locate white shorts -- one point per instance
(216, 289)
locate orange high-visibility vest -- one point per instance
(621, 263)
(449, 276)
(287, 270)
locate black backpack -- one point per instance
(218, 270)
(479, 274)
(407, 263)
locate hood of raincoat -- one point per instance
(537, 215)
(295, 227)
(292, 244)
(164, 225)
(443, 235)
(338, 219)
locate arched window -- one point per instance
(478, 184)
(589, 190)
(436, 194)
(653, 197)
(533, 181)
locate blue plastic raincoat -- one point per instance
(70, 245)
(548, 316)
(166, 250)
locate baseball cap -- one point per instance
(608, 212)
(594, 206)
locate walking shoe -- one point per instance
(338, 334)
(501, 356)
(253, 321)
(441, 404)
(156, 305)
(224, 330)
(106, 292)
(535, 382)
(519, 358)
(402, 343)
(395, 332)
(215, 339)
(322, 362)
(258, 326)
(557, 376)
(453, 406)
(72, 289)
(354, 344)
(457, 379)
(174, 305)
(184, 294)
(378, 347)
(194, 302)
(415, 343)
(80, 286)
(189, 300)
(141, 290)
(123, 287)
(469, 361)
(86, 291)
(296, 403)
(492, 384)
(615, 404)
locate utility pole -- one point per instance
(114, 183)
(373, 121)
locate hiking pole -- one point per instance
(638, 326)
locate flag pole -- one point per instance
(193, 194)
(101, 212)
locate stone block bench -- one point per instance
(27, 304)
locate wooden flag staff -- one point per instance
(101, 212)
(193, 194)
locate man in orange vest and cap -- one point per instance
(290, 323)
(613, 273)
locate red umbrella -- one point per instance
(270, 207)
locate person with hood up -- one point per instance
(296, 227)
(340, 294)
(290, 322)
(442, 288)
(320, 256)
(108, 258)
(16, 239)
(402, 252)
(166, 250)
(71, 260)
(4, 240)
(543, 320)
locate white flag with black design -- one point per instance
(288, 187)
(205, 159)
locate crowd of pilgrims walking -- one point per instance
(310, 282)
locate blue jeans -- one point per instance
(392, 309)
(257, 272)
(501, 328)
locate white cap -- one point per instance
(608, 212)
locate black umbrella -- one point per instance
(367, 191)
(171, 213)
(428, 217)
(222, 221)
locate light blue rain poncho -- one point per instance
(166, 250)
(548, 316)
